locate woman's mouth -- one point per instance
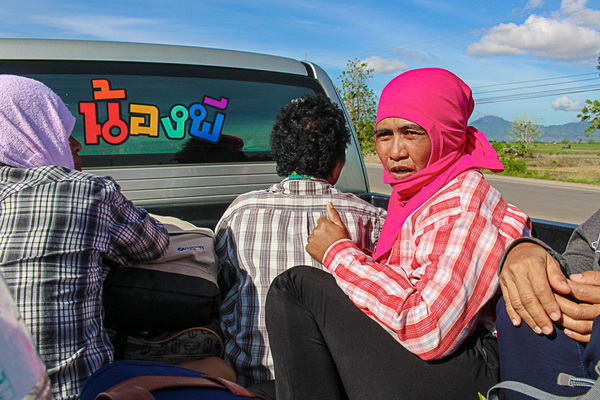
(401, 172)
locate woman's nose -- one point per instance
(398, 150)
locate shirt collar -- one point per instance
(312, 186)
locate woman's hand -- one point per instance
(327, 232)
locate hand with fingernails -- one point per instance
(537, 292)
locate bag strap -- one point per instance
(519, 387)
(525, 389)
(140, 387)
(563, 380)
(120, 344)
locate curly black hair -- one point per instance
(309, 136)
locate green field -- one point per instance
(570, 162)
(557, 148)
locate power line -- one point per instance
(532, 80)
(523, 92)
(459, 31)
(496, 22)
(441, 35)
(538, 94)
(505, 30)
(537, 86)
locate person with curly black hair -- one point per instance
(310, 137)
(263, 232)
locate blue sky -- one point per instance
(548, 49)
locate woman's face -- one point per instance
(402, 146)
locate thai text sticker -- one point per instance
(204, 120)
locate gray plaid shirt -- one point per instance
(59, 229)
(262, 234)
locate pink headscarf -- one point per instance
(441, 103)
(35, 124)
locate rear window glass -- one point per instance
(151, 114)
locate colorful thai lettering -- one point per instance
(174, 125)
(145, 119)
(146, 122)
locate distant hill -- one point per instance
(497, 129)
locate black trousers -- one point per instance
(324, 347)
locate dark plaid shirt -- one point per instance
(59, 231)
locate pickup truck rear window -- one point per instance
(134, 114)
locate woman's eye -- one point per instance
(413, 133)
(382, 135)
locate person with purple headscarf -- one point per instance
(415, 320)
(60, 231)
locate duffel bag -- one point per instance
(172, 294)
(139, 380)
(170, 347)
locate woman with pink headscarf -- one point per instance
(415, 320)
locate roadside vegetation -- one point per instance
(570, 162)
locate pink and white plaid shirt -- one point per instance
(441, 271)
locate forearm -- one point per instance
(578, 256)
(526, 239)
(135, 236)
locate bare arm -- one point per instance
(529, 278)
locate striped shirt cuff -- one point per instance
(335, 249)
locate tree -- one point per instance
(525, 130)
(360, 101)
(591, 113)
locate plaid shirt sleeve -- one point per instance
(135, 237)
(225, 247)
(440, 274)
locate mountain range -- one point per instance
(497, 129)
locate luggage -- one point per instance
(172, 347)
(139, 380)
(174, 298)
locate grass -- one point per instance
(579, 163)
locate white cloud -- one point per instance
(564, 103)
(578, 14)
(386, 66)
(572, 38)
(534, 3)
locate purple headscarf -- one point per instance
(35, 125)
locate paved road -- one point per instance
(557, 201)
